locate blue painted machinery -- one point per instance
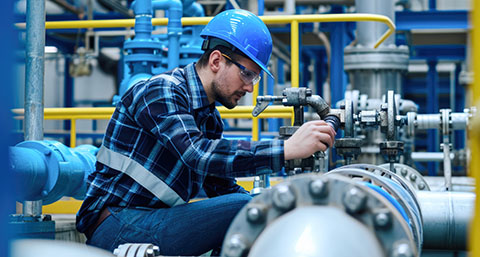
(148, 54)
(48, 171)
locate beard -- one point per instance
(224, 99)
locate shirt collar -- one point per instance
(198, 94)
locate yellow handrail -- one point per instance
(474, 133)
(293, 20)
(103, 113)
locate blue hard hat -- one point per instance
(245, 31)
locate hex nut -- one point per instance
(236, 246)
(283, 198)
(354, 199)
(318, 188)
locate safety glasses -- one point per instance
(247, 76)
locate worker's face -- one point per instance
(229, 87)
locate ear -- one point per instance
(214, 62)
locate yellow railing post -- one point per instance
(294, 41)
(73, 133)
(474, 134)
(255, 129)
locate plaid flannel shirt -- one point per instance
(166, 130)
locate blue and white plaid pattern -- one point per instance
(167, 125)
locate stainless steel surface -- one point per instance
(430, 156)
(273, 207)
(446, 218)
(367, 32)
(311, 232)
(34, 76)
(429, 121)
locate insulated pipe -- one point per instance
(367, 32)
(446, 218)
(174, 28)
(34, 76)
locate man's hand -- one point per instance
(311, 137)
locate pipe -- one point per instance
(446, 218)
(106, 112)
(430, 156)
(194, 10)
(34, 76)
(174, 28)
(310, 231)
(368, 31)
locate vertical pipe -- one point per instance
(368, 32)
(175, 12)
(474, 165)
(295, 55)
(7, 51)
(338, 78)
(432, 107)
(34, 75)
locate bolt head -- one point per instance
(413, 177)
(283, 198)
(236, 246)
(403, 172)
(149, 253)
(255, 214)
(382, 219)
(354, 199)
(421, 186)
(318, 188)
(402, 250)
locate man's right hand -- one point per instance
(311, 137)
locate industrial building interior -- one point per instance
(400, 78)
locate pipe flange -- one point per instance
(360, 201)
(396, 186)
(411, 175)
(382, 58)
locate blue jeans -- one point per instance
(188, 229)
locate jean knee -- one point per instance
(240, 200)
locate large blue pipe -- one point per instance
(48, 170)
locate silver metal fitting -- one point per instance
(354, 199)
(236, 246)
(283, 198)
(318, 188)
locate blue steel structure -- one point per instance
(7, 48)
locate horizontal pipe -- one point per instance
(446, 218)
(188, 21)
(106, 112)
(430, 156)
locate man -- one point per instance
(164, 143)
